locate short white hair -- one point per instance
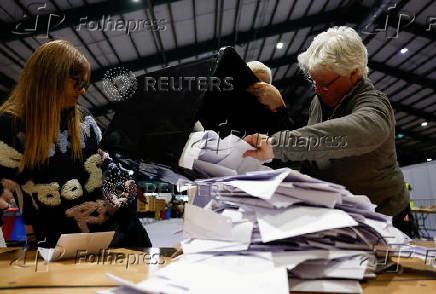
(257, 66)
(339, 49)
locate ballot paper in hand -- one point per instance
(68, 245)
(206, 152)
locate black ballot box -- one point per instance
(154, 124)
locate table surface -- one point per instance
(424, 209)
(19, 275)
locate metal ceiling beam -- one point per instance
(287, 26)
(378, 66)
(283, 83)
(285, 60)
(428, 116)
(416, 136)
(399, 74)
(6, 81)
(227, 40)
(73, 16)
(413, 28)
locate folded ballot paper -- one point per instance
(275, 231)
(207, 153)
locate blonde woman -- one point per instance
(48, 147)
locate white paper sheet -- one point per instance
(213, 169)
(299, 220)
(262, 189)
(239, 240)
(68, 245)
(290, 259)
(327, 286)
(205, 224)
(346, 268)
(223, 274)
(207, 152)
(192, 150)
(317, 197)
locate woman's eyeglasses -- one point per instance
(323, 87)
(80, 84)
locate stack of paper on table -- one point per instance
(275, 231)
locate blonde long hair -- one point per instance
(38, 97)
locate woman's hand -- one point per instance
(104, 155)
(8, 193)
(267, 94)
(264, 149)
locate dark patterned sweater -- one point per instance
(65, 195)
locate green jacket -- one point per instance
(354, 147)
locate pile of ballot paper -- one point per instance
(275, 231)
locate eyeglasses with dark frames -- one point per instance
(323, 87)
(80, 84)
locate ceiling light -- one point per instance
(424, 124)
(279, 45)
(429, 159)
(404, 50)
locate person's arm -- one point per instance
(365, 129)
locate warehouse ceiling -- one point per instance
(400, 37)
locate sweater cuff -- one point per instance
(275, 142)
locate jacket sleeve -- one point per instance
(369, 124)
